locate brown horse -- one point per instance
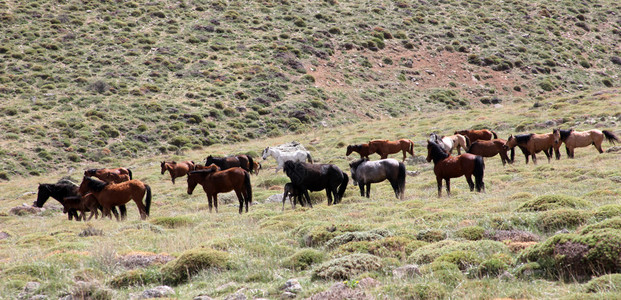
(256, 166)
(82, 204)
(114, 194)
(475, 135)
(177, 169)
(491, 148)
(117, 175)
(385, 147)
(446, 167)
(242, 161)
(576, 139)
(215, 181)
(535, 143)
(362, 149)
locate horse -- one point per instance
(316, 177)
(451, 142)
(111, 194)
(294, 194)
(535, 143)
(365, 172)
(256, 166)
(385, 147)
(58, 191)
(475, 135)
(117, 175)
(447, 167)
(362, 149)
(576, 139)
(216, 181)
(82, 204)
(282, 157)
(177, 169)
(242, 161)
(491, 148)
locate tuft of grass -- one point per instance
(347, 266)
(550, 202)
(193, 261)
(304, 259)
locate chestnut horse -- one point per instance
(256, 166)
(117, 175)
(535, 143)
(362, 149)
(385, 147)
(491, 148)
(447, 167)
(110, 194)
(576, 139)
(177, 169)
(215, 181)
(475, 135)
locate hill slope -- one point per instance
(92, 81)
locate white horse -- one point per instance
(281, 156)
(448, 143)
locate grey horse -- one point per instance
(365, 172)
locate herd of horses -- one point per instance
(106, 189)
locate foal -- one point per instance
(177, 169)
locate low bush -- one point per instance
(192, 262)
(347, 266)
(561, 218)
(605, 283)
(550, 202)
(304, 258)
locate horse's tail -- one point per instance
(130, 174)
(250, 164)
(343, 186)
(494, 133)
(610, 136)
(468, 144)
(411, 148)
(248, 187)
(147, 200)
(401, 180)
(479, 168)
(309, 157)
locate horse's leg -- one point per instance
(534, 157)
(209, 201)
(215, 202)
(404, 153)
(469, 180)
(241, 202)
(598, 146)
(361, 185)
(448, 187)
(172, 177)
(329, 195)
(548, 153)
(439, 180)
(368, 190)
(284, 198)
(307, 196)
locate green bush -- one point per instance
(462, 259)
(354, 237)
(613, 223)
(561, 218)
(303, 259)
(192, 262)
(347, 266)
(550, 202)
(605, 283)
(172, 222)
(484, 249)
(472, 233)
(137, 277)
(489, 268)
(431, 235)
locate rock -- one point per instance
(341, 291)
(225, 286)
(512, 235)
(562, 231)
(368, 282)
(157, 292)
(202, 297)
(31, 286)
(288, 295)
(406, 271)
(506, 276)
(276, 198)
(142, 260)
(38, 297)
(412, 173)
(25, 210)
(293, 286)
(236, 296)
(610, 150)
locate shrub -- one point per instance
(172, 222)
(431, 235)
(192, 262)
(394, 247)
(472, 233)
(561, 218)
(577, 255)
(608, 211)
(484, 249)
(308, 79)
(550, 202)
(446, 272)
(613, 223)
(304, 258)
(353, 237)
(606, 283)
(136, 277)
(462, 259)
(430, 290)
(347, 266)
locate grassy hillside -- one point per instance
(452, 240)
(98, 82)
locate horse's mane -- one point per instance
(523, 138)
(208, 169)
(354, 164)
(437, 151)
(565, 133)
(95, 184)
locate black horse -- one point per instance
(316, 177)
(365, 172)
(243, 161)
(61, 190)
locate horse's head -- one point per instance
(83, 189)
(163, 166)
(435, 152)
(193, 178)
(350, 149)
(266, 152)
(511, 143)
(209, 160)
(42, 195)
(557, 135)
(90, 172)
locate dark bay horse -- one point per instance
(316, 177)
(535, 143)
(362, 149)
(110, 194)
(117, 175)
(385, 147)
(82, 204)
(491, 148)
(177, 169)
(216, 181)
(242, 161)
(58, 191)
(365, 172)
(576, 139)
(295, 195)
(447, 167)
(475, 135)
